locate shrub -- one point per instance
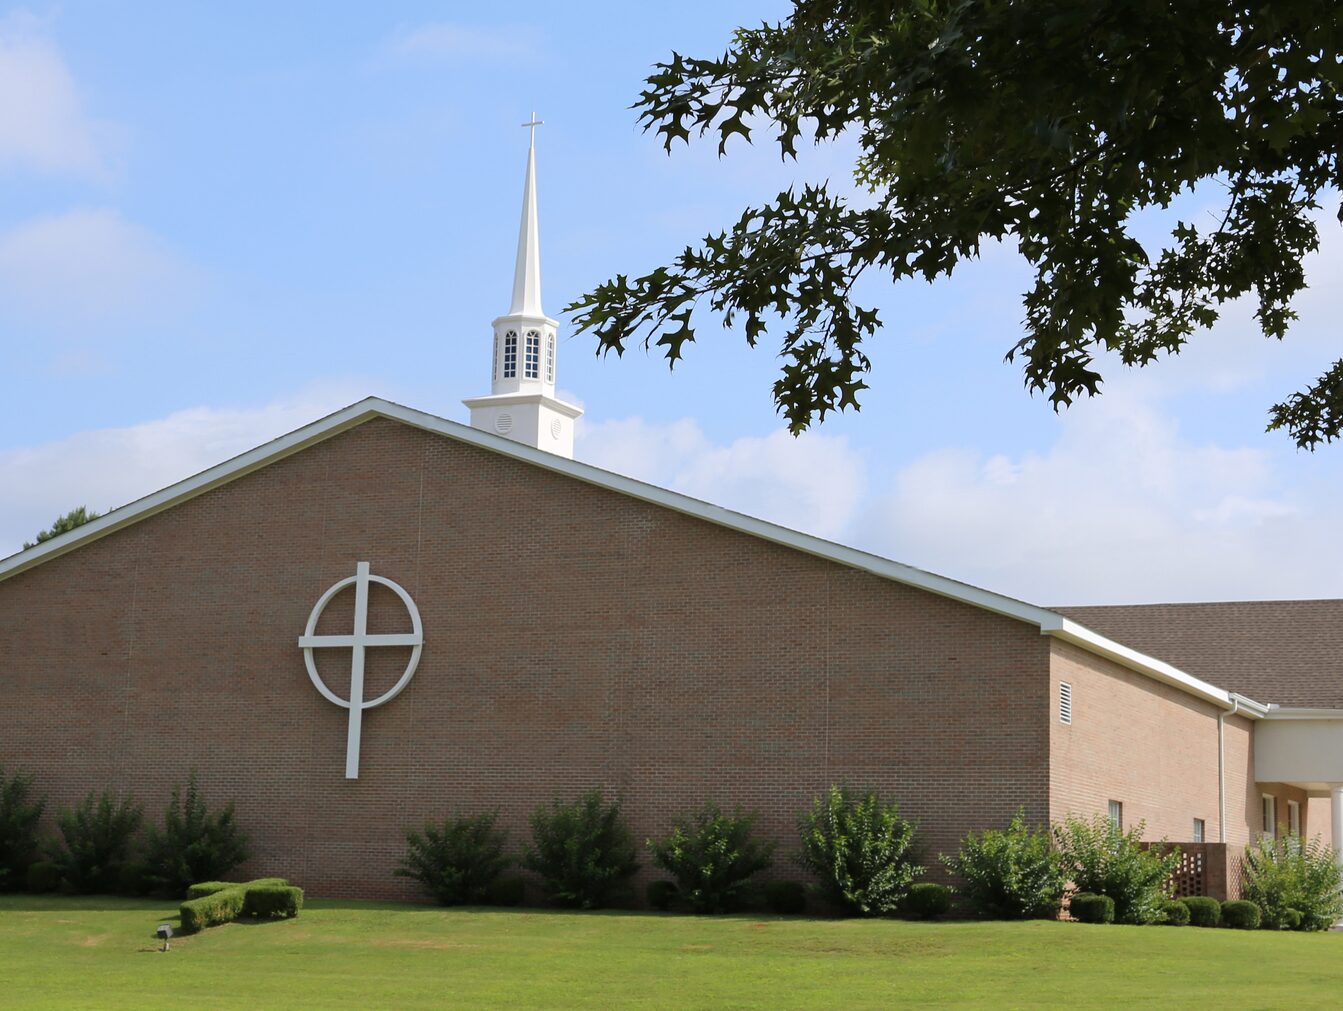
(660, 895)
(861, 850)
(1292, 873)
(458, 862)
(261, 900)
(712, 857)
(1102, 858)
(43, 876)
(19, 814)
(96, 841)
(1015, 874)
(1241, 914)
(1088, 908)
(1204, 911)
(135, 879)
(787, 898)
(1175, 913)
(507, 892)
(194, 844)
(927, 900)
(211, 903)
(583, 852)
(211, 910)
(1291, 919)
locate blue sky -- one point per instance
(217, 224)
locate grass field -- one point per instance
(100, 953)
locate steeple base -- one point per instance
(533, 419)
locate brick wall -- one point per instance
(1149, 746)
(573, 638)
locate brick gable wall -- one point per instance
(574, 637)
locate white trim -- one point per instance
(1048, 622)
(1299, 713)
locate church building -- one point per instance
(386, 617)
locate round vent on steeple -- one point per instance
(503, 423)
(555, 428)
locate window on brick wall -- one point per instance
(1199, 830)
(1270, 816)
(1294, 818)
(1065, 702)
(1117, 814)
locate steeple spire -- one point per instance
(522, 405)
(527, 273)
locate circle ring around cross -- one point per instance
(413, 639)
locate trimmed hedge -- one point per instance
(216, 902)
(1176, 913)
(927, 900)
(211, 910)
(204, 888)
(1088, 908)
(1291, 919)
(271, 900)
(787, 898)
(1204, 911)
(1241, 914)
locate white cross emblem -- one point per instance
(359, 642)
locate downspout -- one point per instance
(1221, 765)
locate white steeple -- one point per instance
(527, 272)
(522, 404)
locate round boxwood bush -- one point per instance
(1088, 908)
(1291, 919)
(660, 894)
(1204, 911)
(1241, 914)
(1176, 914)
(927, 900)
(787, 898)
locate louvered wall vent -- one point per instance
(1065, 702)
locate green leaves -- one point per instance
(712, 857)
(861, 851)
(1011, 874)
(583, 851)
(457, 862)
(1050, 124)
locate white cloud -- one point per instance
(1120, 509)
(88, 265)
(43, 125)
(445, 40)
(110, 467)
(815, 483)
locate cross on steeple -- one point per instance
(533, 125)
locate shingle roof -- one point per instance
(1287, 652)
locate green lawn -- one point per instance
(99, 953)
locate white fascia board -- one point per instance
(1302, 713)
(1048, 622)
(1069, 631)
